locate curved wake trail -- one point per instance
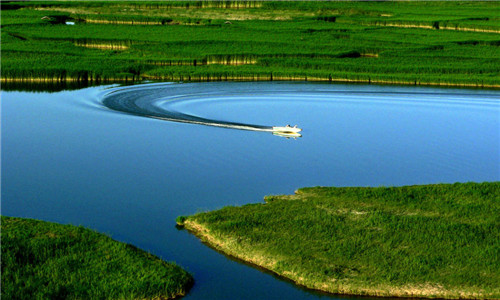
(145, 101)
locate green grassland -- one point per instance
(42, 260)
(438, 241)
(431, 43)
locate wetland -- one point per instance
(83, 145)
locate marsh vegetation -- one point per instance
(439, 43)
(45, 260)
(413, 241)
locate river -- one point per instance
(127, 161)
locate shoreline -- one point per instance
(259, 261)
(254, 78)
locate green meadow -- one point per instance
(437, 241)
(42, 260)
(418, 43)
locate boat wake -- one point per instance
(152, 101)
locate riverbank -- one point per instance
(46, 260)
(208, 78)
(435, 241)
(411, 43)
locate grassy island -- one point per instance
(451, 43)
(42, 260)
(437, 241)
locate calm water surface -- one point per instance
(128, 160)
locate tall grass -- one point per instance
(427, 241)
(42, 260)
(337, 40)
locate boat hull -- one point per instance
(287, 135)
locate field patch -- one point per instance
(47, 260)
(434, 241)
(437, 43)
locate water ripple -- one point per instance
(153, 101)
(168, 101)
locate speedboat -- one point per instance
(286, 129)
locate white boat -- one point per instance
(286, 129)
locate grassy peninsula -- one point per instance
(453, 43)
(42, 260)
(438, 241)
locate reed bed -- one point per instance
(42, 260)
(452, 43)
(434, 241)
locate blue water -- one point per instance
(100, 157)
